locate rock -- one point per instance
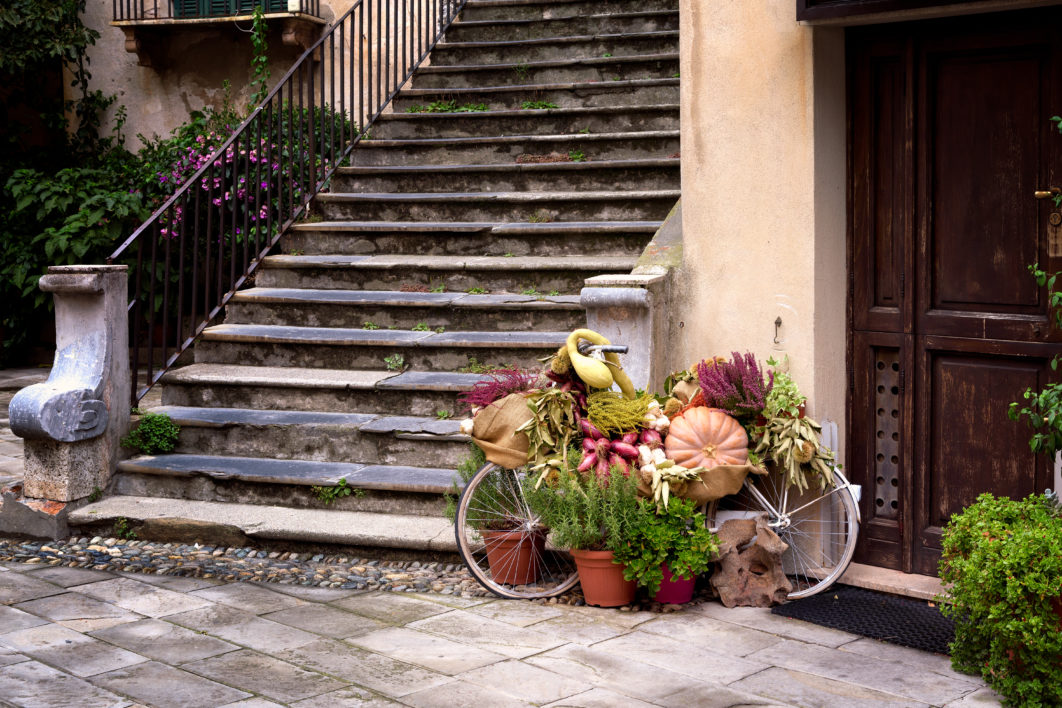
(749, 566)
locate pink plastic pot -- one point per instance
(675, 590)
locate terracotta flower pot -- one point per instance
(675, 590)
(602, 580)
(514, 555)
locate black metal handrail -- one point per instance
(148, 10)
(210, 236)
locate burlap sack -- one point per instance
(494, 430)
(719, 481)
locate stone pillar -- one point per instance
(72, 422)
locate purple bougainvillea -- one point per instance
(736, 386)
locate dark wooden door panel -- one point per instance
(967, 444)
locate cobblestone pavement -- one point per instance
(83, 637)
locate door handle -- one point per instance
(1046, 193)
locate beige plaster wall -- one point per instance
(763, 192)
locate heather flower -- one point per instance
(735, 386)
(501, 383)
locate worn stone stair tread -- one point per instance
(354, 528)
(568, 39)
(338, 336)
(520, 112)
(504, 139)
(507, 168)
(398, 298)
(531, 65)
(443, 263)
(575, 86)
(643, 14)
(516, 227)
(298, 377)
(394, 478)
(478, 197)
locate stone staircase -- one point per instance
(455, 240)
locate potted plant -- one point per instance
(668, 547)
(592, 516)
(1002, 565)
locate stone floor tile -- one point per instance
(35, 685)
(940, 663)
(20, 567)
(709, 633)
(382, 674)
(713, 695)
(141, 597)
(165, 642)
(599, 698)
(696, 662)
(462, 693)
(350, 697)
(162, 686)
(19, 587)
(249, 597)
(617, 673)
(78, 612)
(67, 577)
(887, 676)
(521, 614)
(802, 689)
(627, 620)
(258, 673)
(425, 649)
(254, 702)
(761, 618)
(524, 681)
(391, 608)
(981, 698)
(577, 628)
(12, 619)
(172, 582)
(312, 593)
(243, 628)
(69, 650)
(324, 619)
(451, 600)
(467, 628)
(10, 656)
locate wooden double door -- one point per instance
(949, 138)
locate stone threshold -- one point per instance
(894, 582)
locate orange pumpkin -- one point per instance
(706, 437)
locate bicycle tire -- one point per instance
(820, 528)
(496, 494)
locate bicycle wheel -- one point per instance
(503, 543)
(819, 526)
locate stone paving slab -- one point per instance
(250, 670)
(525, 681)
(243, 628)
(167, 687)
(34, 684)
(326, 621)
(78, 612)
(142, 598)
(69, 650)
(425, 650)
(256, 598)
(163, 641)
(468, 628)
(803, 689)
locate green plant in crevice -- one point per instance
(538, 105)
(124, 529)
(577, 156)
(96, 495)
(530, 291)
(155, 433)
(443, 414)
(395, 362)
(554, 293)
(421, 327)
(368, 324)
(327, 495)
(539, 217)
(1042, 410)
(438, 288)
(584, 131)
(474, 366)
(448, 107)
(477, 290)
(259, 59)
(522, 70)
(439, 330)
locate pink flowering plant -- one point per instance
(736, 386)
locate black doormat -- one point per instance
(898, 620)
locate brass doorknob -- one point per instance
(1046, 193)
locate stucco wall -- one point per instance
(763, 192)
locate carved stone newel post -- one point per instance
(72, 422)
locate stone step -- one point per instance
(315, 436)
(558, 238)
(557, 121)
(541, 274)
(417, 393)
(498, 206)
(586, 46)
(514, 149)
(280, 523)
(540, 9)
(617, 94)
(613, 68)
(566, 26)
(403, 310)
(335, 347)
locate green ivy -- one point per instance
(155, 433)
(1003, 562)
(676, 536)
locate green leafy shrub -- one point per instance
(1043, 410)
(155, 433)
(674, 535)
(1003, 561)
